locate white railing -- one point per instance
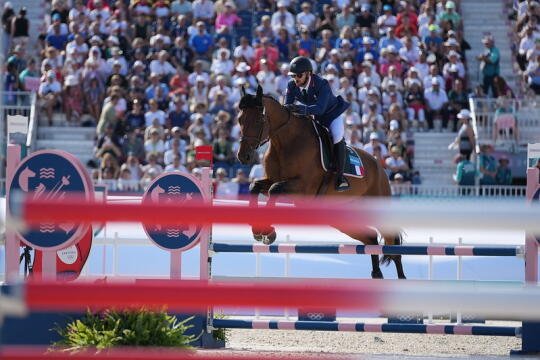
(526, 111)
(457, 191)
(397, 190)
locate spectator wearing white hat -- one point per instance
(375, 141)
(436, 103)
(364, 90)
(222, 65)
(349, 73)
(266, 78)
(449, 16)
(433, 74)
(117, 57)
(198, 94)
(332, 59)
(198, 71)
(49, 93)
(221, 86)
(282, 18)
(73, 100)
(454, 59)
(346, 89)
(369, 72)
(242, 71)
(394, 78)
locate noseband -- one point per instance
(258, 140)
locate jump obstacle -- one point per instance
(530, 252)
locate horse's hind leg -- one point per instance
(394, 239)
(399, 266)
(369, 237)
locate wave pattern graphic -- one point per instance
(173, 233)
(47, 173)
(174, 190)
(47, 227)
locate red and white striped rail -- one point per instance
(506, 301)
(353, 215)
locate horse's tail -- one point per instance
(397, 239)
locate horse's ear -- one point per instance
(259, 92)
(243, 89)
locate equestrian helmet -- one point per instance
(299, 65)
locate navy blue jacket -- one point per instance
(320, 101)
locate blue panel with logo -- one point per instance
(178, 189)
(48, 176)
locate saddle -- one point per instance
(353, 162)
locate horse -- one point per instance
(292, 166)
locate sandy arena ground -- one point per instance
(372, 343)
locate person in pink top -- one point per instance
(227, 19)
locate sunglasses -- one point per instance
(297, 76)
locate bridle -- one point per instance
(263, 121)
(257, 139)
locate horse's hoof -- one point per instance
(402, 277)
(258, 237)
(269, 238)
(377, 274)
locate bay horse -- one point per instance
(292, 165)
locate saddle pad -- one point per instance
(353, 162)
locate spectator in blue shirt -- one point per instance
(433, 41)
(367, 47)
(202, 42)
(150, 91)
(390, 39)
(56, 38)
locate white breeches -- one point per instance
(337, 130)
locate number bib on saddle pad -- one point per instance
(353, 162)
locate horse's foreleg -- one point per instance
(269, 233)
(256, 188)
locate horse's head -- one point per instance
(252, 125)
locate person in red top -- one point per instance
(404, 26)
(409, 12)
(266, 51)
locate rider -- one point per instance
(316, 98)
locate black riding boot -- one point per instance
(339, 151)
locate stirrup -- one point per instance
(342, 184)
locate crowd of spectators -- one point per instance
(527, 35)
(158, 78)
